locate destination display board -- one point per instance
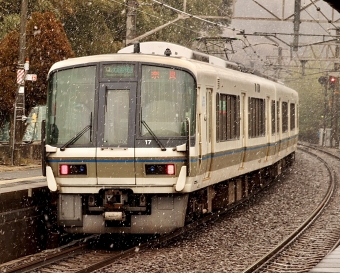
(118, 71)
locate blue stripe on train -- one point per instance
(193, 160)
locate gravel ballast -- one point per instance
(241, 237)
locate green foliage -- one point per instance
(99, 26)
(8, 7)
(94, 27)
(9, 23)
(88, 27)
(311, 106)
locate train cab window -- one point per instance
(70, 106)
(168, 97)
(292, 116)
(227, 117)
(284, 117)
(273, 119)
(256, 117)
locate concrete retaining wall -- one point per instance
(29, 152)
(23, 226)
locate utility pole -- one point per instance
(19, 107)
(334, 89)
(279, 61)
(131, 15)
(297, 22)
(323, 80)
(336, 93)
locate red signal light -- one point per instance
(333, 82)
(332, 79)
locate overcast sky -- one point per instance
(249, 9)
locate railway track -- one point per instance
(317, 247)
(82, 258)
(316, 237)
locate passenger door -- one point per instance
(205, 124)
(115, 155)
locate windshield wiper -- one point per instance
(154, 136)
(76, 137)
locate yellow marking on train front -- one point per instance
(8, 181)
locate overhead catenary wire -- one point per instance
(213, 23)
(197, 17)
(154, 16)
(241, 31)
(316, 20)
(319, 10)
(190, 16)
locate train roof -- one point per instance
(119, 58)
(155, 50)
(175, 50)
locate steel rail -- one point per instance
(65, 251)
(52, 258)
(262, 262)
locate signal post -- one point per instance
(333, 81)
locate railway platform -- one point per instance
(24, 205)
(21, 179)
(329, 264)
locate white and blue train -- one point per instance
(146, 140)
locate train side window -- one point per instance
(238, 117)
(273, 111)
(284, 117)
(227, 117)
(223, 116)
(292, 116)
(257, 88)
(256, 117)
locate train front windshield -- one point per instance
(167, 98)
(70, 105)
